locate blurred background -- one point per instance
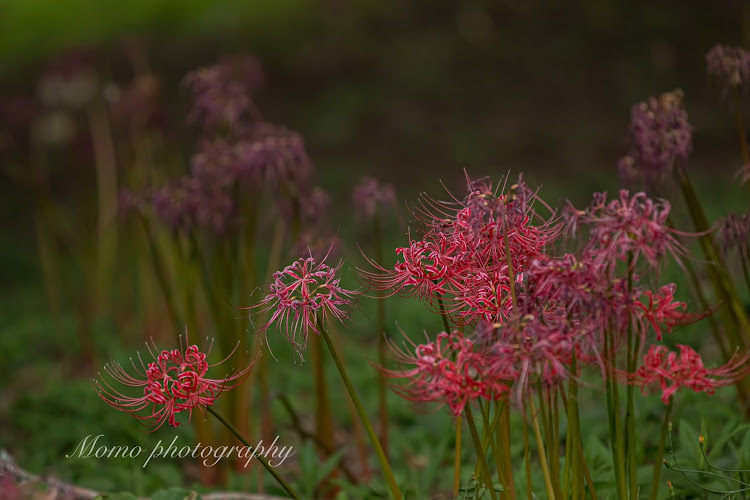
(409, 92)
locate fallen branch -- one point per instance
(24, 481)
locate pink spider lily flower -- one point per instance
(302, 296)
(535, 348)
(630, 226)
(175, 382)
(580, 297)
(662, 310)
(447, 371)
(471, 251)
(672, 371)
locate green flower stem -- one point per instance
(660, 454)
(262, 370)
(390, 479)
(504, 434)
(443, 314)
(105, 163)
(540, 450)
(160, 272)
(715, 329)
(382, 344)
(491, 431)
(457, 459)
(721, 280)
(527, 461)
(509, 261)
(478, 447)
(615, 427)
(323, 415)
(262, 460)
(633, 348)
(740, 125)
(744, 258)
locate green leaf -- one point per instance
(715, 450)
(307, 464)
(689, 446)
(325, 469)
(745, 452)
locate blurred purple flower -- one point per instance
(138, 104)
(734, 233)
(221, 93)
(176, 202)
(70, 80)
(627, 227)
(730, 66)
(215, 209)
(660, 135)
(215, 164)
(371, 196)
(132, 201)
(313, 244)
(274, 155)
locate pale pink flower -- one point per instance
(630, 226)
(302, 297)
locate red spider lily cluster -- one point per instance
(471, 251)
(302, 296)
(175, 382)
(490, 259)
(449, 370)
(672, 371)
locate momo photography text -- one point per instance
(94, 447)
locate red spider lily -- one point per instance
(579, 297)
(448, 371)
(662, 310)
(533, 348)
(627, 227)
(672, 371)
(302, 294)
(470, 252)
(175, 382)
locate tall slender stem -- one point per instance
(615, 427)
(540, 450)
(257, 455)
(660, 454)
(387, 471)
(633, 347)
(480, 451)
(382, 344)
(527, 460)
(740, 125)
(457, 458)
